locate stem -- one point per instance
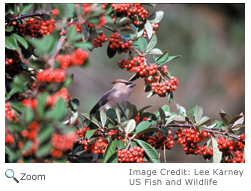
(164, 152)
(28, 15)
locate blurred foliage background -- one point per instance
(211, 71)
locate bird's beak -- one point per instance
(132, 84)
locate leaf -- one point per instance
(59, 109)
(10, 42)
(143, 125)
(83, 45)
(149, 29)
(150, 94)
(45, 133)
(198, 111)
(123, 21)
(239, 119)
(91, 118)
(68, 81)
(130, 126)
(144, 108)
(170, 119)
(170, 97)
(44, 150)
(25, 8)
(128, 109)
(28, 114)
(27, 145)
(179, 118)
(170, 58)
(162, 115)
(225, 118)
(90, 133)
(142, 44)
(238, 126)
(120, 144)
(217, 153)
(9, 29)
(123, 111)
(118, 114)
(113, 158)
(128, 31)
(156, 17)
(70, 10)
(149, 150)
(134, 77)
(103, 117)
(110, 52)
(211, 126)
(155, 51)
(204, 120)
(110, 149)
(162, 58)
(152, 43)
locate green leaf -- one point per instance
(113, 158)
(162, 58)
(44, 150)
(217, 153)
(236, 118)
(59, 109)
(28, 115)
(156, 17)
(211, 126)
(170, 119)
(120, 144)
(41, 103)
(123, 111)
(143, 125)
(27, 145)
(152, 43)
(10, 42)
(149, 150)
(110, 149)
(130, 126)
(170, 58)
(9, 29)
(162, 115)
(142, 44)
(103, 117)
(144, 108)
(45, 133)
(91, 118)
(150, 94)
(204, 120)
(70, 10)
(90, 133)
(8, 151)
(128, 31)
(198, 111)
(155, 51)
(111, 114)
(83, 45)
(17, 106)
(25, 8)
(179, 118)
(123, 21)
(21, 40)
(225, 118)
(149, 29)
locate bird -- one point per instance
(118, 94)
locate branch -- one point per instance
(28, 15)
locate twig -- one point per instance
(28, 15)
(164, 152)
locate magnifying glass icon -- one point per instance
(10, 174)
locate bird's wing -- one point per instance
(102, 101)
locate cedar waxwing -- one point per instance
(118, 94)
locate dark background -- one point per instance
(211, 71)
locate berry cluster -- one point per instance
(51, 76)
(137, 119)
(97, 147)
(36, 28)
(117, 45)
(189, 139)
(98, 42)
(31, 132)
(8, 137)
(82, 132)
(12, 62)
(227, 146)
(237, 158)
(155, 28)
(112, 133)
(52, 99)
(77, 58)
(30, 103)
(162, 87)
(32, 149)
(137, 65)
(133, 155)
(61, 143)
(159, 140)
(133, 11)
(9, 113)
